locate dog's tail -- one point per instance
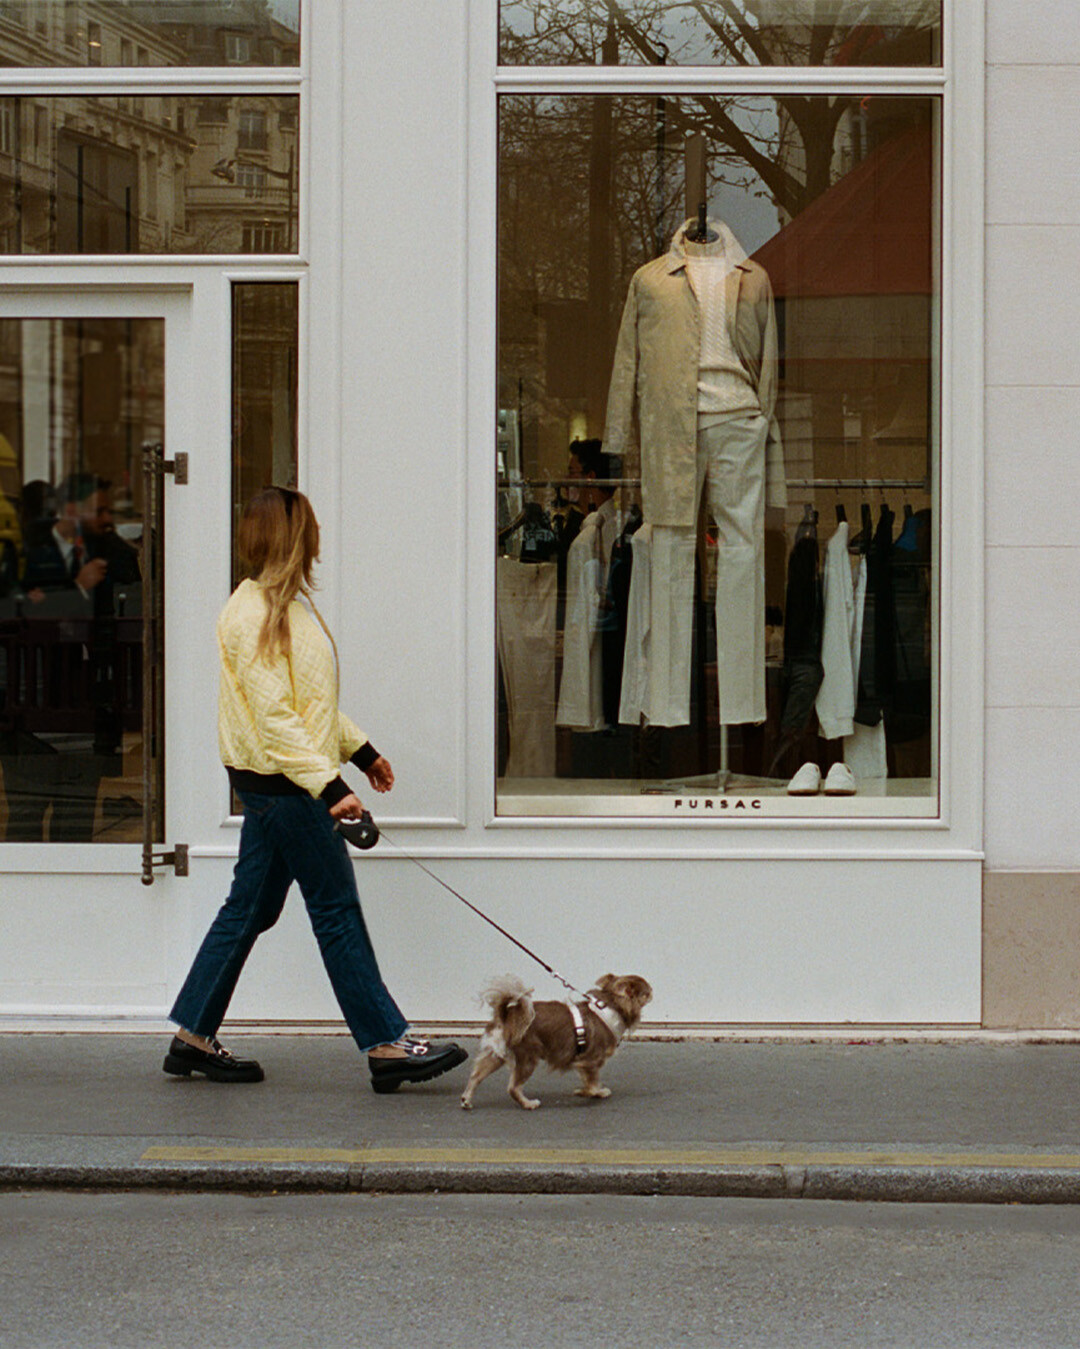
(511, 1002)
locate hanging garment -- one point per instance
(634, 700)
(613, 622)
(841, 642)
(802, 673)
(864, 752)
(581, 698)
(656, 373)
(911, 574)
(731, 469)
(526, 642)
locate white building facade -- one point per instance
(384, 252)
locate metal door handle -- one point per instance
(155, 466)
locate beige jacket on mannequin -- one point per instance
(655, 373)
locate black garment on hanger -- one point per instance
(803, 619)
(877, 662)
(567, 528)
(911, 563)
(614, 620)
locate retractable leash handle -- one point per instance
(361, 833)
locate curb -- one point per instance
(862, 1184)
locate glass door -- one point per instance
(83, 411)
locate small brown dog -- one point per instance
(527, 1033)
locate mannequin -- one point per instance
(696, 359)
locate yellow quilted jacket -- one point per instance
(280, 716)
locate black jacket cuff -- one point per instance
(365, 756)
(335, 791)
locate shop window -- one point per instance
(717, 449)
(93, 199)
(179, 33)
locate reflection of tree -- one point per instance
(732, 32)
(592, 186)
(722, 32)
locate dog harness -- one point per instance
(608, 1015)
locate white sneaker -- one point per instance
(840, 781)
(806, 781)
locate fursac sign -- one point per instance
(714, 805)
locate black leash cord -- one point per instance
(481, 914)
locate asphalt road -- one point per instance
(143, 1270)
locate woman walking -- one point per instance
(283, 741)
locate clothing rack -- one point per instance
(574, 482)
(862, 484)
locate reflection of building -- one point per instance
(242, 175)
(157, 173)
(246, 33)
(144, 33)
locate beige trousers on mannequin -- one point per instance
(656, 672)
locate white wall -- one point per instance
(1033, 435)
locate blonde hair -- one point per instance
(279, 546)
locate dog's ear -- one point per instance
(606, 980)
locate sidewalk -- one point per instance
(890, 1121)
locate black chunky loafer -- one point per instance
(421, 1062)
(217, 1065)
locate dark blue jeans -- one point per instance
(286, 839)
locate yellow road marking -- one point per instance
(494, 1156)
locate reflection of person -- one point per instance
(82, 550)
(59, 758)
(283, 740)
(697, 357)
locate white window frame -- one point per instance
(956, 832)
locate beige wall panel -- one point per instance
(1028, 430)
(1032, 32)
(1032, 314)
(1032, 788)
(1033, 638)
(1031, 949)
(1033, 157)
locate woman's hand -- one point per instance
(381, 775)
(348, 808)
